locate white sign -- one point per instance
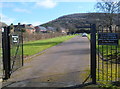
(2, 29)
(15, 38)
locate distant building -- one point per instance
(40, 29)
(29, 28)
(63, 30)
(51, 29)
(25, 28)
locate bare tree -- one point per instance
(109, 8)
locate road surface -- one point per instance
(66, 64)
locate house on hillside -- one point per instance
(40, 29)
(51, 29)
(26, 28)
(29, 28)
(63, 30)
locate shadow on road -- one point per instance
(58, 80)
(74, 52)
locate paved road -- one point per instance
(63, 65)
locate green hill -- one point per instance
(73, 22)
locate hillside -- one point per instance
(73, 22)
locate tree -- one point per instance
(109, 8)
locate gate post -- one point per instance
(93, 53)
(6, 52)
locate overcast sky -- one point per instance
(41, 11)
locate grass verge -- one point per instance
(33, 47)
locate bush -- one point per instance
(39, 36)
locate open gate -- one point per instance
(108, 54)
(12, 43)
(105, 54)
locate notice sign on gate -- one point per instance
(107, 38)
(15, 38)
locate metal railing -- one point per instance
(108, 55)
(12, 49)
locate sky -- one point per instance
(37, 12)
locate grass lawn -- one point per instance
(33, 47)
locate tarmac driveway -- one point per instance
(66, 64)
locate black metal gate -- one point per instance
(108, 54)
(12, 49)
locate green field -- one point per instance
(33, 47)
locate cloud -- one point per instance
(6, 4)
(46, 4)
(6, 19)
(21, 10)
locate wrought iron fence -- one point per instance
(108, 54)
(16, 48)
(12, 49)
